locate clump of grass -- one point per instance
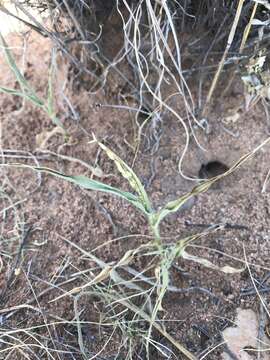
(166, 254)
(106, 281)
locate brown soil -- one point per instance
(56, 210)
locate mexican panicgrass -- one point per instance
(140, 200)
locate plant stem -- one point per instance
(154, 226)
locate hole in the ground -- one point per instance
(212, 169)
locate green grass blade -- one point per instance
(12, 64)
(175, 205)
(90, 184)
(36, 101)
(11, 91)
(87, 183)
(26, 91)
(131, 177)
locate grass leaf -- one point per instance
(175, 205)
(31, 97)
(12, 64)
(89, 184)
(131, 177)
(225, 269)
(26, 90)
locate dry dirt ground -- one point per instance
(56, 211)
